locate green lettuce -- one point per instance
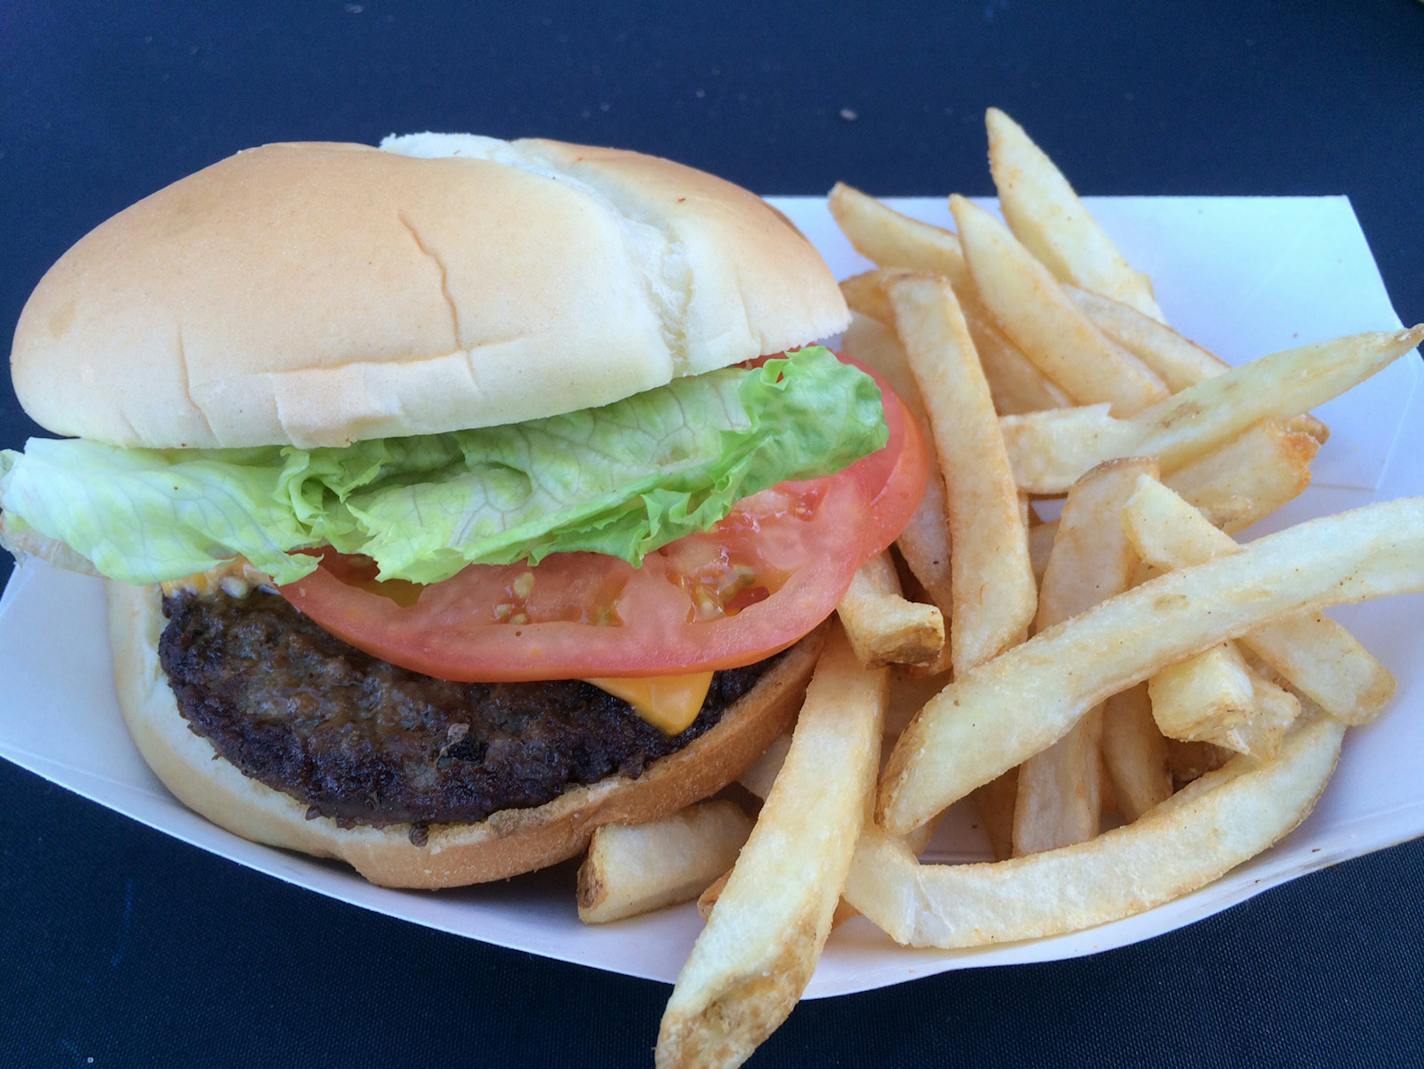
(621, 480)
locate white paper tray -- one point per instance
(1243, 276)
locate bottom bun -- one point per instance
(504, 844)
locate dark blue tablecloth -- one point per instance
(119, 946)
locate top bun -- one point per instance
(319, 294)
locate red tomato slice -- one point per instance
(756, 583)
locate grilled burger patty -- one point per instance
(365, 742)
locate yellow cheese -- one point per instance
(669, 703)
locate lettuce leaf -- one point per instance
(621, 480)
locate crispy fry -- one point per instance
(708, 899)
(882, 626)
(1190, 840)
(1003, 712)
(865, 296)
(1050, 450)
(988, 541)
(1135, 753)
(1313, 653)
(1014, 382)
(892, 239)
(1216, 697)
(1027, 303)
(1060, 789)
(761, 943)
(1248, 478)
(1177, 362)
(1047, 216)
(632, 869)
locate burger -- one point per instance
(453, 497)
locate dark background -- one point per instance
(119, 946)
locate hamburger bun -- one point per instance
(315, 294)
(504, 844)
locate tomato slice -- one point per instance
(757, 582)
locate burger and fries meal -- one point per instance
(466, 506)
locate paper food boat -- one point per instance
(1243, 276)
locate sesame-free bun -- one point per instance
(320, 293)
(505, 844)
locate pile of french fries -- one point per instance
(1066, 634)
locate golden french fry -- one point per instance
(992, 582)
(1050, 450)
(761, 773)
(1028, 304)
(1317, 656)
(765, 934)
(708, 899)
(882, 626)
(1047, 216)
(994, 804)
(892, 239)
(1060, 789)
(865, 297)
(1003, 712)
(1135, 753)
(1176, 361)
(1216, 697)
(1248, 478)
(1234, 486)
(633, 869)
(1193, 838)
(1014, 382)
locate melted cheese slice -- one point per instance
(669, 703)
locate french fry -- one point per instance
(1047, 216)
(1317, 656)
(1175, 360)
(892, 239)
(1031, 309)
(1216, 697)
(1193, 838)
(761, 773)
(765, 934)
(1001, 713)
(882, 626)
(1050, 450)
(708, 899)
(865, 296)
(1060, 789)
(633, 869)
(1014, 382)
(1234, 486)
(1134, 753)
(987, 537)
(1248, 478)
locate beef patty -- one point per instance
(365, 742)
